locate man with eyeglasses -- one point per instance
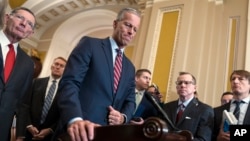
(188, 113)
(16, 66)
(240, 86)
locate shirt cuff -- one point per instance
(74, 119)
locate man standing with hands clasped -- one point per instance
(39, 113)
(16, 67)
(98, 84)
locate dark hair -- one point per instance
(120, 15)
(157, 91)
(227, 93)
(242, 73)
(61, 59)
(140, 71)
(184, 73)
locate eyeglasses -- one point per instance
(58, 64)
(22, 18)
(185, 82)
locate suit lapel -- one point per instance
(247, 116)
(18, 61)
(173, 112)
(1, 64)
(123, 73)
(106, 46)
(44, 84)
(190, 107)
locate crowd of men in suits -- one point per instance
(86, 96)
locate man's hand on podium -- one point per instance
(137, 121)
(82, 130)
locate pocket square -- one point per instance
(187, 117)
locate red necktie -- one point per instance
(9, 62)
(117, 69)
(180, 112)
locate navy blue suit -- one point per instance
(146, 109)
(197, 118)
(218, 113)
(87, 85)
(11, 93)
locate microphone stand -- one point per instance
(159, 108)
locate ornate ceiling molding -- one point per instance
(49, 13)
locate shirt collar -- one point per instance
(185, 103)
(246, 100)
(114, 45)
(139, 92)
(5, 41)
(51, 79)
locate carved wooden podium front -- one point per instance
(153, 129)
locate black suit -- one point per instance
(197, 118)
(218, 113)
(34, 110)
(11, 93)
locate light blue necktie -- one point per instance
(48, 101)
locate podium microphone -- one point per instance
(158, 107)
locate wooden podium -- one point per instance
(153, 129)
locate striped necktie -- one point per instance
(48, 101)
(237, 109)
(117, 69)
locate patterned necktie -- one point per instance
(237, 109)
(117, 69)
(9, 62)
(180, 112)
(48, 101)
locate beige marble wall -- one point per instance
(202, 43)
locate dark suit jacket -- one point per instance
(146, 109)
(218, 113)
(197, 118)
(12, 92)
(34, 107)
(87, 86)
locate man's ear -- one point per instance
(115, 24)
(195, 87)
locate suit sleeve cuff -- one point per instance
(125, 118)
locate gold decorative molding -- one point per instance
(16, 3)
